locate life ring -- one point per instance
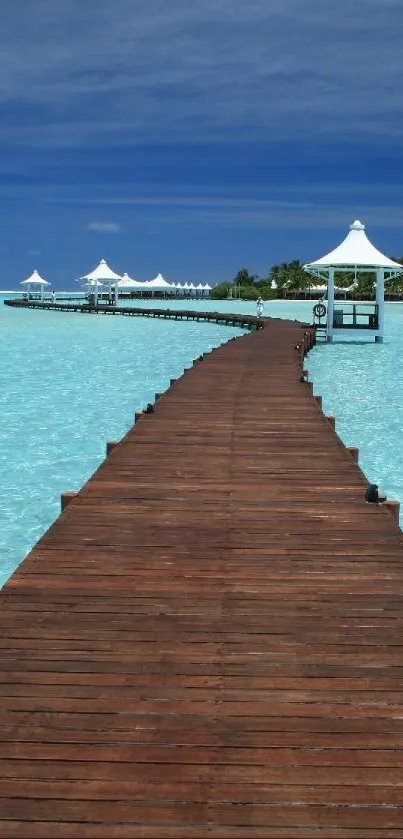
(319, 310)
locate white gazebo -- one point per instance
(104, 275)
(36, 280)
(355, 254)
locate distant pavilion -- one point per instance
(35, 280)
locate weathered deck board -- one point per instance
(207, 642)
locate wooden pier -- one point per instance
(228, 319)
(208, 640)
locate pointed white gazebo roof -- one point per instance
(355, 251)
(158, 282)
(102, 272)
(34, 278)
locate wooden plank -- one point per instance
(207, 642)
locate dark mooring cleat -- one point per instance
(374, 494)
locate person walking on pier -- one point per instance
(259, 307)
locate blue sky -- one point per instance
(195, 139)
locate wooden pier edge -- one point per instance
(236, 319)
(205, 643)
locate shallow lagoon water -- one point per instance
(72, 382)
(69, 383)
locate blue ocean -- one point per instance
(71, 382)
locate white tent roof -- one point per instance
(128, 282)
(354, 251)
(158, 282)
(207, 286)
(102, 272)
(34, 278)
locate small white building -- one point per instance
(355, 254)
(104, 275)
(35, 280)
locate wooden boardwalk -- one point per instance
(208, 641)
(225, 318)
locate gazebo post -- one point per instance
(116, 292)
(380, 301)
(330, 305)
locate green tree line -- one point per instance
(289, 278)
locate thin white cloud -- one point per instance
(103, 227)
(123, 72)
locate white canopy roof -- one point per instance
(102, 272)
(355, 251)
(128, 282)
(34, 278)
(158, 282)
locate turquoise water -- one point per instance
(70, 383)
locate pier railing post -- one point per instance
(111, 444)
(65, 499)
(354, 453)
(394, 509)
